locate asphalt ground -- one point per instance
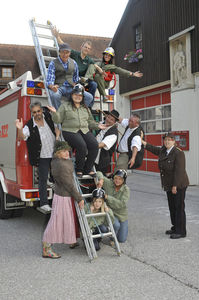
(152, 266)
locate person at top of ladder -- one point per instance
(116, 197)
(104, 74)
(61, 226)
(83, 61)
(98, 224)
(62, 76)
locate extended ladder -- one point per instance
(45, 43)
(86, 231)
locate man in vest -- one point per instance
(62, 76)
(83, 61)
(107, 140)
(39, 134)
(130, 146)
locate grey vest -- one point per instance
(61, 75)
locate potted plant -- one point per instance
(134, 56)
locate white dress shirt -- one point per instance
(109, 141)
(136, 141)
(46, 136)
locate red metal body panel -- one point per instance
(24, 176)
(23, 167)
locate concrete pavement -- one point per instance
(152, 266)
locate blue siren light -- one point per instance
(30, 83)
(111, 92)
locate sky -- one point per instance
(84, 17)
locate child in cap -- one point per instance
(98, 206)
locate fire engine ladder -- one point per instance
(44, 40)
(43, 61)
(83, 220)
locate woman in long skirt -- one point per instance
(61, 226)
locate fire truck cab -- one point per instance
(18, 179)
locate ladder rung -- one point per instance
(43, 36)
(86, 195)
(86, 177)
(48, 47)
(101, 235)
(95, 215)
(42, 26)
(48, 58)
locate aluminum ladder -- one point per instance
(83, 220)
(44, 40)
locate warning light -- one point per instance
(30, 91)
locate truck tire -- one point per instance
(4, 214)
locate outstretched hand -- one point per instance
(138, 74)
(19, 124)
(51, 108)
(81, 204)
(102, 126)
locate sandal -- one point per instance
(72, 246)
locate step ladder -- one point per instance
(46, 47)
(83, 220)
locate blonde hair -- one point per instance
(102, 207)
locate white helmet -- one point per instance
(110, 51)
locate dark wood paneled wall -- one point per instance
(159, 19)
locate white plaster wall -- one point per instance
(122, 105)
(185, 116)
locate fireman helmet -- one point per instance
(78, 89)
(110, 51)
(121, 173)
(98, 193)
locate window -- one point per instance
(138, 37)
(155, 119)
(7, 73)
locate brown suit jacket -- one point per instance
(172, 167)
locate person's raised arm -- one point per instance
(19, 125)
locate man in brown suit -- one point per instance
(174, 181)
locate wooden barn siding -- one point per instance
(159, 19)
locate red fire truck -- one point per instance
(18, 179)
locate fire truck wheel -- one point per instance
(4, 214)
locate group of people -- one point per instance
(72, 67)
(48, 153)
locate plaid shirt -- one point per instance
(51, 73)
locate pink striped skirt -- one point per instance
(61, 226)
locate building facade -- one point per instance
(161, 39)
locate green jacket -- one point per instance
(99, 220)
(74, 119)
(113, 68)
(117, 201)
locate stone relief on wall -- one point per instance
(180, 63)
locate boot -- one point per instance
(48, 252)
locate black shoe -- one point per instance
(170, 231)
(177, 236)
(79, 175)
(91, 174)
